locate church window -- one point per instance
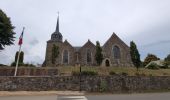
(65, 56)
(89, 59)
(116, 52)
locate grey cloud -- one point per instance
(34, 42)
(147, 22)
(158, 43)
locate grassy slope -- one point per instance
(105, 70)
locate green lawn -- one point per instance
(67, 70)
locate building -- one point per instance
(115, 52)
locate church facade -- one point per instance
(115, 52)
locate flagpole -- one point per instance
(16, 67)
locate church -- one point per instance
(115, 52)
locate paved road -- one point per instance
(150, 96)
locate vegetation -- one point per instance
(131, 71)
(23, 65)
(6, 31)
(149, 58)
(21, 57)
(153, 66)
(55, 53)
(103, 86)
(167, 60)
(112, 73)
(98, 55)
(85, 73)
(135, 56)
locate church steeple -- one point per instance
(57, 36)
(57, 26)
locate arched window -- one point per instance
(89, 59)
(65, 57)
(116, 52)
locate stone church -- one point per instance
(115, 52)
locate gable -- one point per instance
(115, 40)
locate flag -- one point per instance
(21, 38)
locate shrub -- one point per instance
(149, 58)
(85, 73)
(103, 86)
(75, 73)
(89, 73)
(22, 64)
(14, 64)
(165, 65)
(124, 73)
(153, 66)
(112, 73)
(140, 74)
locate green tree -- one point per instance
(135, 56)
(149, 58)
(6, 31)
(98, 55)
(167, 60)
(21, 59)
(55, 53)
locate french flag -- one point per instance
(21, 37)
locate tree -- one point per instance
(21, 59)
(6, 31)
(149, 58)
(55, 53)
(135, 56)
(98, 55)
(167, 60)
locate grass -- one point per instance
(131, 71)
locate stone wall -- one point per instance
(113, 84)
(28, 71)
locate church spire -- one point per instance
(57, 36)
(57, 26)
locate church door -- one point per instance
(107, 63)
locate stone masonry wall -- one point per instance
(28, 71)
(113, 84)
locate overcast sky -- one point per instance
(147, 22)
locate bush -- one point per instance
(149, 58)
(112, 73)
(140, 74)
(153, 66)
(90, 73)
(75, 73)
(14, 64)
(22, 64)
(103, 86)
(165, 65)
(85, 73)
(124, 74)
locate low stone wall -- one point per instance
(28, 71)
(113, 84)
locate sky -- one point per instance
(146, 22)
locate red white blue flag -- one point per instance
(21, 38)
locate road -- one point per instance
(148, 96)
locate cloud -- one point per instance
(34, 42)
(145, 22)
(158, 43)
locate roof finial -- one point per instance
(57, 27)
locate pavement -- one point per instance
(39, 93)
(82, 96)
